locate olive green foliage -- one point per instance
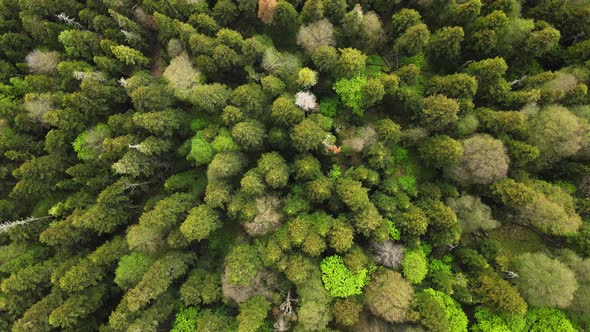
(156, 281)
(553, 143)
(129, 55)
(242, 265)
(472, 213)
(413, 221)
(294, 165)
(441, 150)
(439, 112)
(211, 98)
(484, 161)
(313, 313)
(249, 134)
(404, 19)
(131, 268)
(542, 205)
(346, 311)
(445, 44)
(439, 312)
(210, 320)
(81, 44)
(252, 314)
(285, 112)
(284, 23)
(201, 287)
(274, 169)
(389, 131)
(389, 296)
(201, 221)
(413, 40)
(453, 86)
(500, 295)
(324, 58)
(329, 107)
(307, 135)
(545, 281)
(351, 62)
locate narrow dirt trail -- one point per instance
(157, 60)
(149, 26)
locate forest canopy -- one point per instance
(294, 165)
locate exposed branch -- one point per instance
(10, 224)
(133, 185)
(281, 325)
(131, 36)
(65, 18)
(511, 274)
(518, 80)
(575, 37)
(467, 63)
(134, 146)
(286, 307)
(80, 75)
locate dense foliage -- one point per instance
(294, 165)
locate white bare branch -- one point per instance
(281, 325)
(10, 224)
(65, 18)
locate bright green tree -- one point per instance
(339, 280)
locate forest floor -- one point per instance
(157, 60)
(517, 239)
(150, 29)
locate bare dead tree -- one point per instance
(306, 101)
(81, 75)
(388, 253)
(451, 246)
(286, 313)
(281, 325)
(518, 80)
(65, 18)
(287, 306)
(266, 9)
(131, 36)
(11, 224)
(130, 185)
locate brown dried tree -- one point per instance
(266, 9)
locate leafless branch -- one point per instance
(467, 63)
(287, 306)
(518, 80)
(10, 224)
(65, 18)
